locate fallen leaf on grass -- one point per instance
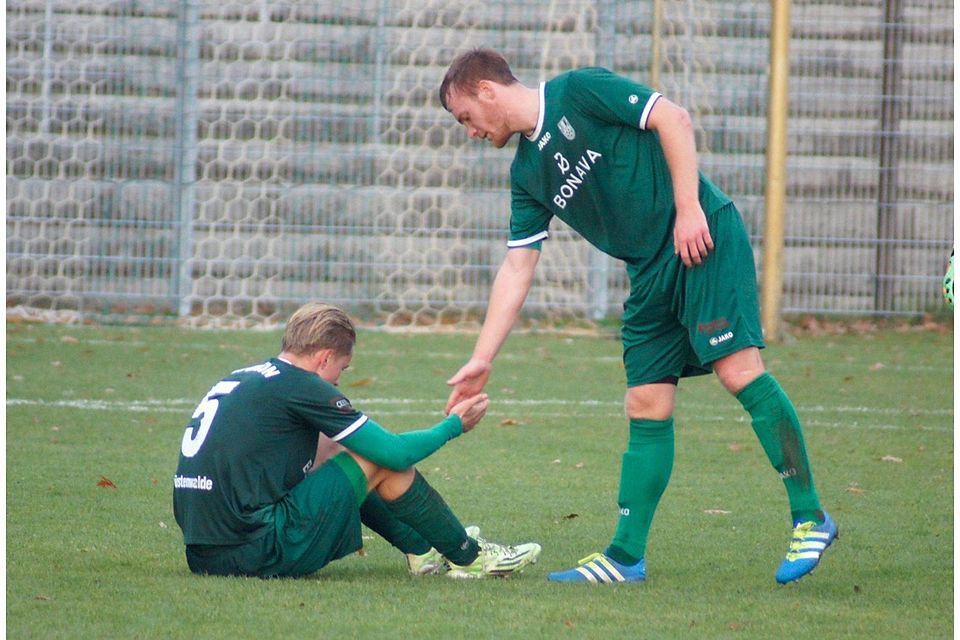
(855, 489)
(717, 512)
(877, 366)
(891, 459)
(362, 382)
(106, 483)
(69, 340)
(42, 598)
(571, 516)
(579, 465)
(509, 422)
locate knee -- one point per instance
(650, 402)
(738, 370)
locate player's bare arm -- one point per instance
(507, 296)
(691, 236)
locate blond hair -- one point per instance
(316, 326)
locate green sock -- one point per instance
(778, 428)
(425, 511)
(375, 514)
(646, 469)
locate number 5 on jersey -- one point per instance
(205, 411)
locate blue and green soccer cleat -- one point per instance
(808, 544)
(599, 569)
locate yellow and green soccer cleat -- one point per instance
(426, 564)
(497, 560)
(432, 562)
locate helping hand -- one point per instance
(468, 382)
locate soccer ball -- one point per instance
(948, 283)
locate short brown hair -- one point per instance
(468, 69)
(316, 326)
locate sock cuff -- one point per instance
(410, 498)
(644, 425)
(762, 387)
(643, 431)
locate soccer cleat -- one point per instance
(426, 564)
(498, 560)
(432, 562)
(808, 543)
(599, 569)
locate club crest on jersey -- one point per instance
(342, 405)
(566, 128)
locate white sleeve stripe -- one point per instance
(648, 108)
(359, 422)
(543, 235)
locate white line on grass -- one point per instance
(597, 410)
(521, 357)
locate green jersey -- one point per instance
(593, 163)
(252, 438)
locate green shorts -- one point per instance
(316, 523)
(677, 321)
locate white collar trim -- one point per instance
(543, 107)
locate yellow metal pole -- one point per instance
(776, 185)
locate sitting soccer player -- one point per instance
(250, 503)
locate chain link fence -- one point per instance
(224, 162)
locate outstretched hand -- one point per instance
(471, 410)
(691, 236)
(468, 382)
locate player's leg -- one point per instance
(644, 474)
(646, 467)
(422, 559)
(777, 426)
(723, 318)
(656, 351)
(411, 499)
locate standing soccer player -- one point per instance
(617, 162)
(251, 499)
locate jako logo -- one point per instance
(723, 337)
(543, 141)
(624, 511)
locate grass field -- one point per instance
(95, 416)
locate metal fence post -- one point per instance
(185, 152)
(599, 287)
(380, 56)
(890, 112)
(46, 95)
